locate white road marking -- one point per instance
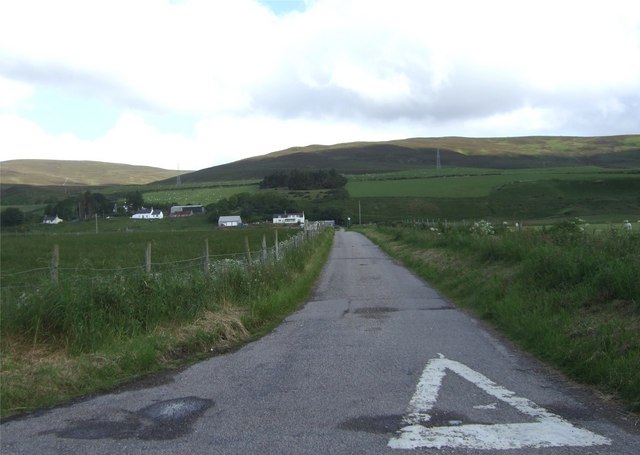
(486, 406)
(549, 430)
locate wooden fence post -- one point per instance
(55, 263)
(263, 251)
(247, 250)
(206, 256)
(277, 247)
(147, 258)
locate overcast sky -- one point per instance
(197, 83)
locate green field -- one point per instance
(455, 183)
(191, 196)
(540, 195)
(25, 259)
(107, 321)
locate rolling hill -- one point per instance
(397, 155)
(348, 158)
(78, 173)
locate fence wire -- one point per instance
(40, 277)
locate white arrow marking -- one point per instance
(549, 430)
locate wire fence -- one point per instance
(206, 263)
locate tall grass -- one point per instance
(59, 341)
(571, 298)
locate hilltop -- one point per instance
(348, 158)
(398, 155)
(79, 173)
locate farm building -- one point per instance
(230, 221)
(288, 218)
(148, 214)
(52, 220)
(186, 210)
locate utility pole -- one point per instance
(359, 214)
(438, 159)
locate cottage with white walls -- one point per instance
(288, 218)
(148, 214)
(52, 220)
(230, 221)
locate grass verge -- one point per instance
(51, 368)
(571, 299)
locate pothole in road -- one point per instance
(374, 312)
(164, 420)
(373, 424)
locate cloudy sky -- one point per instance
(197, 83)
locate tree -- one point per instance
(134, 200)
(305, 180)
(65, 209)
(11, 216)
(252, 206)
(86, 206)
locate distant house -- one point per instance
(52, 220)
(229, 221)
(148, 214)
(186, 210)
(288, 218)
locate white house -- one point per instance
(229, 221)
(288, 218)
(148, 214)
(52, 220)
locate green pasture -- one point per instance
(26, 258)
(89, 332)
(456, 183)
(112, 224)
(544, 195)
(192, 196)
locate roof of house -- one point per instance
(230, 219)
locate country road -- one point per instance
(376, 362)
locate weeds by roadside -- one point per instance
(569, 297)
(69, 340)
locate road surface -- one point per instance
(375, 363)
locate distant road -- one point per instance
(375, 363)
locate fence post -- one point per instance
(147, 258)
(277, 247)
(206, 256)
(55, 263)
(247, 250)
(263, 251)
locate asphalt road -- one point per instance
(376, 362)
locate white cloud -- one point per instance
(12, 93)
(341, 70)
(130, 141)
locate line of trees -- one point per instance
(261, 206)
(304, 180)
(253, 207)
(82, 206)
(87, 204)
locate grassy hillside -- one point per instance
(515, 194)
(494, 153)
(79, 173)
